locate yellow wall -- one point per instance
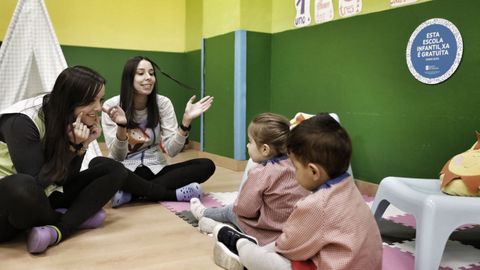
(220, 17)
(151, 25)
(224, 16)
(6, 11)
(256, 15)
(166, 25)
(194, 24)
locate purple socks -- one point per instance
(40, 238)
(185, 193)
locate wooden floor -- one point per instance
(137, 236)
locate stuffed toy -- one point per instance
(461, 175)
(299, 117)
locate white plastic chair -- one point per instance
(437, 214)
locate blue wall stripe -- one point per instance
(240, 95)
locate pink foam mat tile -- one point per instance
(396, 259)
(176, 207)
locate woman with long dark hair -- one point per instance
(140, 126)
(43, 141)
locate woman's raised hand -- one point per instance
(194, 110)
(117, 114)
(79, 133)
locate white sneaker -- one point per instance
(226, 259)
(197, 208)
(206, 225)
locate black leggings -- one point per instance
(162, 186)
(23, 204)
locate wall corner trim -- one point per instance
(240, 94)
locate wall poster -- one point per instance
(434, 51)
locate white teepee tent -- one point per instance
(30, 55)
(31, 58)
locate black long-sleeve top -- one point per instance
(26, 148)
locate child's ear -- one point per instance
(266, 150)
(318, 173)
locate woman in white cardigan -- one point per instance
(140, 126)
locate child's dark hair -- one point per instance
(271, 129)
(323, 141)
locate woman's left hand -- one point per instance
(116, 113)
(78, 132)
(194, 110)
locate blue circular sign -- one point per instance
(434, 51)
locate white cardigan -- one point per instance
(148, 151)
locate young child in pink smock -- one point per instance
(333, 228)
(266, 199)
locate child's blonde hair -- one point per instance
(271, 129)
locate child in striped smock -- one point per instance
(267, 197)
(332, 228)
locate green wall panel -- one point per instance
(258, 74)
(356, 67)
(219, 60)
(193, 79)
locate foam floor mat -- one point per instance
(182, 209)
(462, 251)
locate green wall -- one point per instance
(192, 78)
(109, 63)
(219, 59)
(357, 68)
(258, 74)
